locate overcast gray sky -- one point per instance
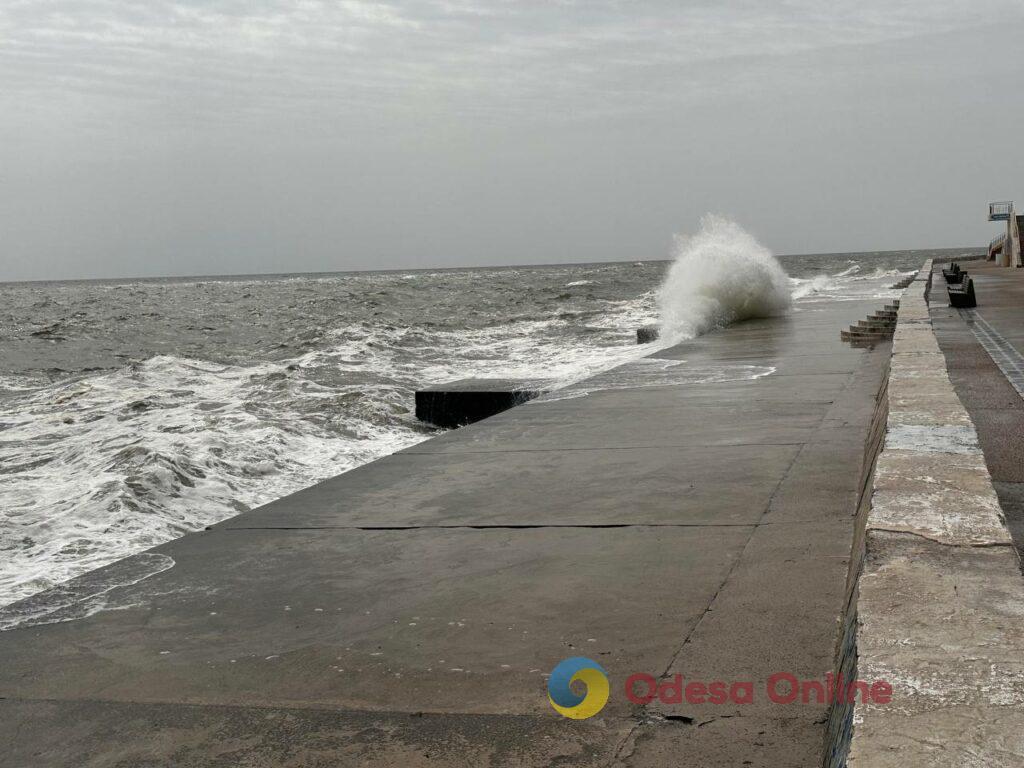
(171, 138)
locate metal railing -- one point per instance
(1000, 211)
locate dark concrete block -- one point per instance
(468, 400)
(647, 334)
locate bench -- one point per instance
(962, 295)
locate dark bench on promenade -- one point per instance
(962, 295)
(954, 275)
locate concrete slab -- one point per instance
(822, 485)
(584, 424)
(752, 741)
(404, 621)
(696, 485)
(140, 735)
(945, 497)
(942, 713)
(407, 612)
(808, 578)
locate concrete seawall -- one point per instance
(941, 596)
(692, 512)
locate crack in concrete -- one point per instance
(288, 706)
(651, 446)
(505, 526)
(925, 537)
(644, 713)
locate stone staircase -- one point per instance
(906, 281)
(877, 326)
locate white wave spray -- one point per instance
(720, 275)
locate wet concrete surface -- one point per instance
(691, 512)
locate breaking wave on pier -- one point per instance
(719, 276)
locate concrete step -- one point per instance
(863, 333)
(865, 342)
(882, 325)
(863, 326)
(874, 328)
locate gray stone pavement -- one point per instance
(984, 350)
(689, 512)
(940, 609)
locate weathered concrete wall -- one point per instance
(941, 596)
(1015, 249)
(839, 727)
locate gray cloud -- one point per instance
(206, 137)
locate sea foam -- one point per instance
(720, 275)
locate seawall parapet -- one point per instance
(941, 596)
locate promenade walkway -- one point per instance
(984, 349)
(939, 608)
(691, 512)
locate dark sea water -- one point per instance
(133, 411)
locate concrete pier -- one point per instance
(692, 512)
(984, 352)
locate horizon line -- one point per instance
(532, 265)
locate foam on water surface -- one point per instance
(85, 595)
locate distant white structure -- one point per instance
(1005, 249)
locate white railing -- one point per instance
(1000, 211)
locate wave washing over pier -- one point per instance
(134, 411)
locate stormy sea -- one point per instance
(133, 411)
